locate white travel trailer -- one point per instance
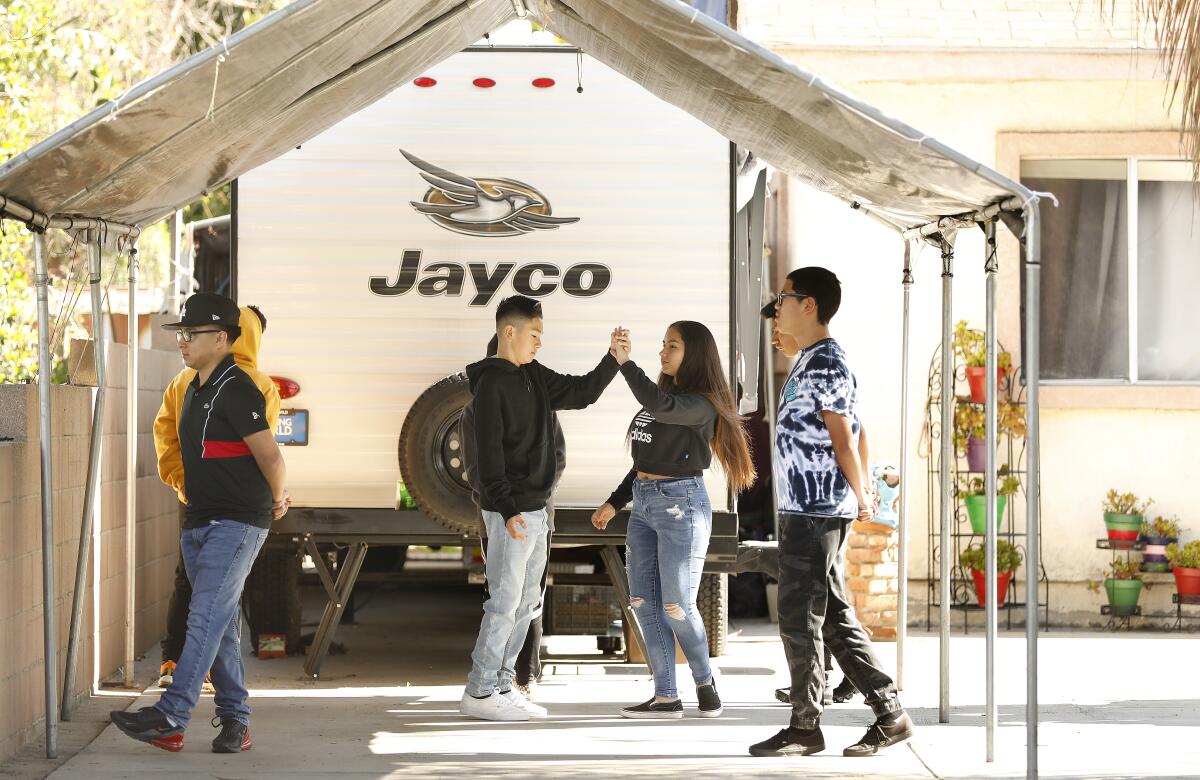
(379, 249)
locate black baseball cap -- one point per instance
(207, 309)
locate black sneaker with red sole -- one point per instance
(234, 736)
(149, 724)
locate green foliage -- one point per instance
(18, 339)
(1125, 504)
(1185, 557)
(1006, 484)
(1008, 557)
(1120, 569)
(59, 59)
(971, 348)
(1162, 527)
(970, 422)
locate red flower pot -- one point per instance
(1187, 581)
(977, 381)
(1002, 580)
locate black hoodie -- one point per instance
(514, 427)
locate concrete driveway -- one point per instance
(1113, 706)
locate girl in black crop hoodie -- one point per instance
(686, 418)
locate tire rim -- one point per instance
(448, 464)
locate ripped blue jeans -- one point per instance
(667, 539)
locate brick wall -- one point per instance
(21, 659)
(871, 577)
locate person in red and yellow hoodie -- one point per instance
(170, 465)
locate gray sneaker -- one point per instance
(657, 710)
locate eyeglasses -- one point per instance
(186, 336)
(780, 296)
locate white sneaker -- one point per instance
(517, 698)
(494, 707)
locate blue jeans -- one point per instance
(514, 580)
(667, 540)
(218, 557)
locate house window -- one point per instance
(1120, 270)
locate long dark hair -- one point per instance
(700, 372)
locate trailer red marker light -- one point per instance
(286, 387)
(543, 83)
(484, 83)
(425, 81)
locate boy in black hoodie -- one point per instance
(514, 401)
(529, 661)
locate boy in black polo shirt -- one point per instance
(234, 480)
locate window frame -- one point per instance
(1012, 147)
(1132, 173)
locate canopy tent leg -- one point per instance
(50, 662)
(902, 542)
(131, 454)
(91, 496)
(946, 469)
(989, 478)
(1032, 359)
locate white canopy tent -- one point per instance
(285, 79)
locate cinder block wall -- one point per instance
(22, 697)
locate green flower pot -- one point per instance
(977, 512)
(1123, 596)
(1123, 527)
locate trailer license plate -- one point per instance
(292, 428)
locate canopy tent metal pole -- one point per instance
(12, 209)
(92, 494)
(902, 542)
(131, 452)
(1032, 359)
(946, 469)
(989, 480)
(50, 661)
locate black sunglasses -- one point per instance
(780, 296)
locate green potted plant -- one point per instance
(1185, 563)
(973, 493)
(1008, 560)
(1123, 515)
(971, 348)
(1123, 586)
(1158, 534)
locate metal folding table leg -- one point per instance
(338, 594)
(620, 580)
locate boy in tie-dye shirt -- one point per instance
(820, 484)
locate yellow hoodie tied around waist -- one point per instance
(166, 424)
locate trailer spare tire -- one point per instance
(431, 456)
(713, 604)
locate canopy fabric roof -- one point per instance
(292, 75)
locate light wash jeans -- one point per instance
(667, 540)
(514, 579)
(218, 557)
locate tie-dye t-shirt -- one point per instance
(808, 479)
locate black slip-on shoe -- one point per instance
(845, 691)
(654, 710)
(790, 742)
(783, 695)
(880, 736)
(709, 701)
(234, 736)
(149, 724)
